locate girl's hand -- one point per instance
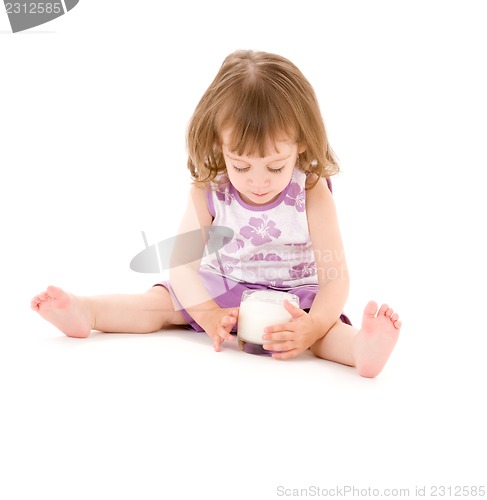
(295, 336)
(218, 324)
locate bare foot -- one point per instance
(65, 311)
(376, 339)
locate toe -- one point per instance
(394, 317)
(54, 292)
(383, 309)
(371, 309)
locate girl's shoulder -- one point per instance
(199, 197)
(318, 192)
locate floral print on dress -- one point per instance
(223, 191)
(295, 197)
(261, 230)
(303, 270)
(226, 265)
(269, 257)
(234, 246)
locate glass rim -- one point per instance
(275, 296)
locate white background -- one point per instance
(93, 111)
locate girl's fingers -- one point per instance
(229, 320)
(224, 334)
(280, 332)
(280, 346)
(293, 310)
(217, 343)
(269, 330)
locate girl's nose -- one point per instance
(259, 180)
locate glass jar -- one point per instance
(259, 309)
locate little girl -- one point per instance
(260, 162)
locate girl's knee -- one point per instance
(164, 303)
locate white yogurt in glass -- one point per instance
(259, 309)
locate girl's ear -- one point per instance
(301, 147)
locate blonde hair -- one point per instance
(259, 97)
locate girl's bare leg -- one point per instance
(77, 316)
(369, 348)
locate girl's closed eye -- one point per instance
(276, 170)
(240, 169)
(245, 169)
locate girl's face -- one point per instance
(261, 180)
